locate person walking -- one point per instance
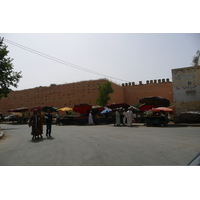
(125, 117)
(117, 116)
(33, 121)
(48, 119)
(129, 117)
(90, 119)
(40, 123)
(134, 117)
(57, 118)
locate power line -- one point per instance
(60, 61)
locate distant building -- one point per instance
(186, 89)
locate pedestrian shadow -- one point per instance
(37, 140)
(50, 138)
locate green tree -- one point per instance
(7, 76)
(105, 89)
(195, 61)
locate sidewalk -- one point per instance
(1, 133)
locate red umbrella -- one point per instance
(82, 108)
(118, 105)
(98, 109)
(145, 107)
(36, 108)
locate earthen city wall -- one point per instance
(83, 92)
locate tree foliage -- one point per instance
(195, 61)
(7, 76)
(105, 89)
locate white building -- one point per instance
(186, 89)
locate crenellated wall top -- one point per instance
(147, 82)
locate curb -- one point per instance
(1, 134)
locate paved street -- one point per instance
(103, 145)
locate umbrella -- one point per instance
(162, 109)
(106, 111)
(82, 108)
(118, 105)
(65, 109)
(134, 109)
(18, 114)
(156, 101)
(145, 107)
(52, 109)
(96, 110)
(36, 108)
(19, 109)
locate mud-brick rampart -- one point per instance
(83, 92)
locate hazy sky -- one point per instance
(130, 41)
(130, 57)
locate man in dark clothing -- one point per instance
(48, 118)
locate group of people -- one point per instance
(124, 117)
(37, 120)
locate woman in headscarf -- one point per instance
(34, 123)
(40, 123)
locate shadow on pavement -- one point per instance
(50, 138)
(13, 124)
(41, 139)
(5, 129)
(37, 140)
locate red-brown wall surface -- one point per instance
(81, 92)
(133, 93)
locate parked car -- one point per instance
(189, 117)
(11, 118)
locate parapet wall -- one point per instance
(147, 82)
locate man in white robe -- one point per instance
(129, 117)
(90, 119)
(124, 118)
(117, 116)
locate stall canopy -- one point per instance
(156, 101)
(164, 109)
(134, 109)
(118, 105)
(36, 108)
(65, 109)
(19, 109)
(52, 109)
(145, 107)
(82, 108)
(106, 111)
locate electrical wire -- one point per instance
(60, 61)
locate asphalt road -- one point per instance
(101, 145)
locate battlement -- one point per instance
(147, 82)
